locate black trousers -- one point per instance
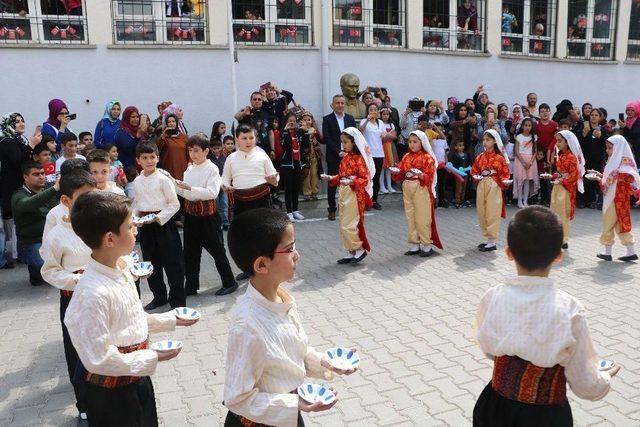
(442, 180)
(204, 232)
(545, 195)
(161, 246)
(292, 180)
(239, 207)
(333, 167)
(233, 420)
(378, 161)
(131, 405)
(71, 357)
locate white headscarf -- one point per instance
(574, 146)
(621, 161)
(426, 145)
(494, 133)
(365, 152)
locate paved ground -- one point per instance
(411, 318)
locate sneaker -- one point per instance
(291, 217)
(8, 266)
(384, 191)
(83, 416)
(297, 215)
(393, 190)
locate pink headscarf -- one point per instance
(55, 106)
(635, 105)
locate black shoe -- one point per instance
(242, 276)
(37, 282)
(345, 260)
(227, 291)
(605, 257)
(377, 206)
(466, 204)
(482, 245)
(190, 292)
(8, 265)
(360, 258)
(332, 216)
(458, 205)
(443, 204)
(426, 254)
(410, 253)
(153, 305)
(486, 248)
(628, 258)
(565, 246)
(225, 228)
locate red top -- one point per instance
(488, 161)
(546, 135)
(295, 146)
(567, 165)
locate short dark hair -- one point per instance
(108, 147)
(423, 118)
(227, 137)
(98, 156)
(130, 172)
(146, 148)
(544, 106)
(73, 164)
(216, 142)
(255, 93)
(83, 134)
(244, 128)
(74, 181)
(66, 137)
(42, 146)
(534, 237)
(29, 165)
(97, 213)
(255, 233)
(47, 138)
(198, 140)
(565, 122)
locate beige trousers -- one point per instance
(489, 207)
(310, 182)
(349, 218)
(610, 225)
(417, 208)
(561, 206)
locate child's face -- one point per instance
(70, 149)
(172, 123)
(564, 126)
(124, 241)
(561, 143)
(539, 155)
(488, 142)
(527, 126)
(230, 145)
(148, 161)
(217, 150)
(43, 158)
(87, 140)
(306, 121)
(113, 153)
(246, 141)
(347, 144)
(284, 261)
(544, 113)
(459, 147)
(197, 154)
(385, 116)
(609, 148)
(423, 126)
(222, 129)
(100, 172)
(52, 146)
(68, 202)
(415, 144)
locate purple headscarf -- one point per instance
(55, 106)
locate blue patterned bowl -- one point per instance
(166, 345)
(145, 219)
(141, 269)
(313, 393)
(186, 313)
(135, 257)
(605, 365)
(343, 358)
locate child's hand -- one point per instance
(613, 371)
(228, 189)
(305, 406)
(183, 185)
(328, 366)
(272, 179)
(325, 177)
(394, 169)
(342, 154)
(168, 355)
(185, 322)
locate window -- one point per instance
(379, 23)
(279, 22)
(43, 21)
(591, 29)
(159, 21)
(528, 27)
(460, 21)
(633, 46)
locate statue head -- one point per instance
(350, 84)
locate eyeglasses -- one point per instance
(289, 250)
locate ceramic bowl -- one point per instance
(140, 269)
(478, 177)
(135, 257)
(186, 313)
(166, 345)
(343, 358)
(313, 393)
(545, 175)
(137, 220)
(605, 365)
(591, 176)
(507, 181)
(415, 171)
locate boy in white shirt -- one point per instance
(107, 324)
(159, 238)
(69, 144)
(65, 257)
(202, 222)
(100, 167)
(536, 334)
(268, 352)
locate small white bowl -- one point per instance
(591, 176)
(166, 345)
(546, 175)
(145, 219)
(140, 269)
(343, 358)
(313, 393)
(186, 313)
(507, 181)
(415, 171)
(605, 365)
(135, 257)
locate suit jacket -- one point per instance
(331, 133)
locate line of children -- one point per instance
(417, 172)
(100, 167)
(491, 172)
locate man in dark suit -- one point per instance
(332, 125)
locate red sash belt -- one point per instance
(145, 213)
(200, 208)
(251, 194)
(519, 380)
(115, 382)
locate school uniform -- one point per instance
(160, 241)
(54, 217)
(65, 258)
(202, 224)
(110, 331)
(246, 173)
(112, 187)
(533, 364)
(563, 194)
(268, 357)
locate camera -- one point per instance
(72, 116)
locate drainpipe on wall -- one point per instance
(324, 54)
(233, 58)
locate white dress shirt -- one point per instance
(340, 120)
(247, 170)
(63, 252)
(373, 134)
(155, 193)
(205, 182)
(106, 313)
(112, 187)
(63, 159)
(54, 217)
(530, 318)
(268, 356)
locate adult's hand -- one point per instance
(35, 139)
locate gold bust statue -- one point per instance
(350, 84)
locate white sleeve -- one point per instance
(161, 322)
(52, 270)
(211, 189)
(313, 366)
(171, 199)
(269, 170)
(226, 172)
(49, 223)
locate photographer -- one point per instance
(277, 100)
(256, 116)
(296, 144)
(58, 121)
(409, 123)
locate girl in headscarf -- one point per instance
(491, 171)
(127, 136)
(567, 180)
(108, 125)
(355, 176)
(418, 171)
(177, 111)
(313, 171)
(631, 128)
(58, 121)
(619, 181)
(452, 101)
(172, 144)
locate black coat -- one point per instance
(304, 145)
(633, 136)
(331, 135)
(13, 152)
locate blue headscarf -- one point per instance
(107, 111)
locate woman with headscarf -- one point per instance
(172, 144)
(15, 149)
(631, 128)
(562, 110)
(58, 121)
(491, 120)
(567, 181)
(491, 171)
(463, 128)
(157, 122)
(452, 101)
(108, 125)
(481, 100)
(619, 181)
(177, 111)
(592, 141)
(128, 136)
(417, 170)
(355, 178)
